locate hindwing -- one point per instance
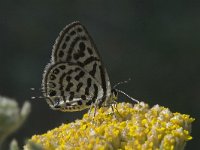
(76, 77)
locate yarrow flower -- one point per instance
(128, 127)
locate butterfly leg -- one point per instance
(95, 110)
(117, 109)
(113, 110)
(113, 106)
(94, 105)
(90, 109)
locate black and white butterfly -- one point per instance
(76, 78)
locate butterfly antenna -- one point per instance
(40, 97)
(33, 89)
(127, 95)
(122, 82)
(34, 97)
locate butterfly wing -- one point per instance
(68, 87)
(75, 48)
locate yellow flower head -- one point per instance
(129, 127)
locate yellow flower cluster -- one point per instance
(128, 127)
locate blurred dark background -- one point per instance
(155, 43)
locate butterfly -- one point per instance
(75, 79)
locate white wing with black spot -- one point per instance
(76, 77)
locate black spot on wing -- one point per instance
(63, 67)
(67, 104)
(78, 55)
(52, 93)
(89, 81)
(80, 75)
(95, 92)
(79, 29)
(72, 33)
(70, 71)
(67, 38)
(77, 69)
(52, 77)
(80, 84)
(71, 48)
(71, 97)
(80, 52)
(87, 91)
(69, 85)
(68, 78)
(69, 57)
(89, 50)
(93, 71)
(83, 97)
(90, 59)
(61, 53)
(64, 46)
(81, 46)
(56, 71)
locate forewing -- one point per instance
(68, 87)
(75, 45)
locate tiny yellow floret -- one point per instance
(135, 127)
